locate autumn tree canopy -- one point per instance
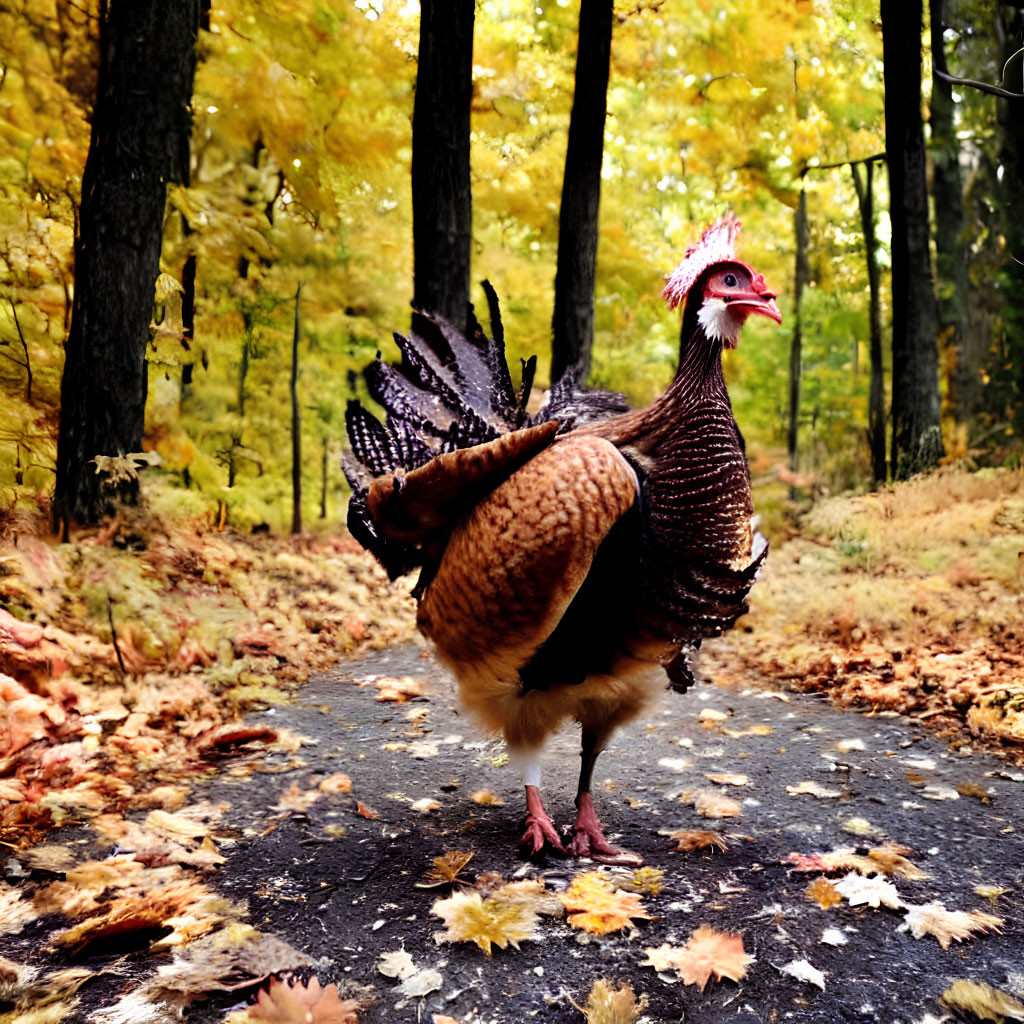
(300, 172)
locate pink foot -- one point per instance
(588, 840)
(540, 832)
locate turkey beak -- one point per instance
(757, 302)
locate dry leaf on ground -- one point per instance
(293, 1002)
(446, 869)
(711, 803)
(337, 783)
(984, 1001)
(487, 798)
(491, 921)
(845, 859)
(608, 1005)
(707, 954)
(892, 860)
(824, 893)
(595, 905)
(727, 779)
(872, 892)
(400, 690)
(803, 971)
(814, 789)
(687, 839)
(947, 925)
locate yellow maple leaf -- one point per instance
(295, 1002)
(608, 1005)
(891, 859)
(983, 1001)
(707, 954)
(596, 906)
(823, 892)
(487, 922)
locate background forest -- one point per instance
(299, 176)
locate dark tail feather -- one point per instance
(449, 392)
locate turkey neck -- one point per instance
(697, 385)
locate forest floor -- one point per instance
(156, 862)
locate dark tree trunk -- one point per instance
(1010, 116)
(442, 216)
(293, 392)
(916, 426)
(801, 279)
(950, 233)
(188, 317)
(323, 480)
(140, 141)
(573, 321)
(876, 393)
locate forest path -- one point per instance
(348, 898)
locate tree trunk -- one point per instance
(442, 218)
(916, 427)
(876, 393)
(323, 480)
(950, 233)
(573, 321)
(296, 424)
(1010, 117)
(801, 279)
(140, 141)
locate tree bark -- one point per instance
(876, 393)
(916, 426)
(950, 232)
(442, 219)
(801, 279)
(140, 141)
(293, 392)
(1010, 118)
(573, 320)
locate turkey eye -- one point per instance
(730, 280)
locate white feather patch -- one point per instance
(718, 322)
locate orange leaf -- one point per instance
(365, 812)
(707, 954)
(824, 893)
(596, 907)
(297, 1003)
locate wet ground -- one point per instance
(341, 887)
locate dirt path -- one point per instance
(340, 887)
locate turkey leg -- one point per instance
(540, 831)
(587, 838)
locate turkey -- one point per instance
(563, 553)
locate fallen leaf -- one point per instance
(803, 971)
(425, 805)
(754, 730)
(814, 789)
(947, 925)
(337, 783)
(295, 1002)
(834, 937)
(488, 798)
(607, 1005)
(596, 906)
(858, 827)
(727, 779)
(710, 803)
(872, 892)
(991, 892)
(688, 839)
(711, 715)
(400, 690)
(469, 918)
(706, 954)
(970, 788)
(446, 868)
(984, 1001)
(824, 893)
(297, 799)
(645, 880)
(365, 812)
(891, 859)
(845, 859)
